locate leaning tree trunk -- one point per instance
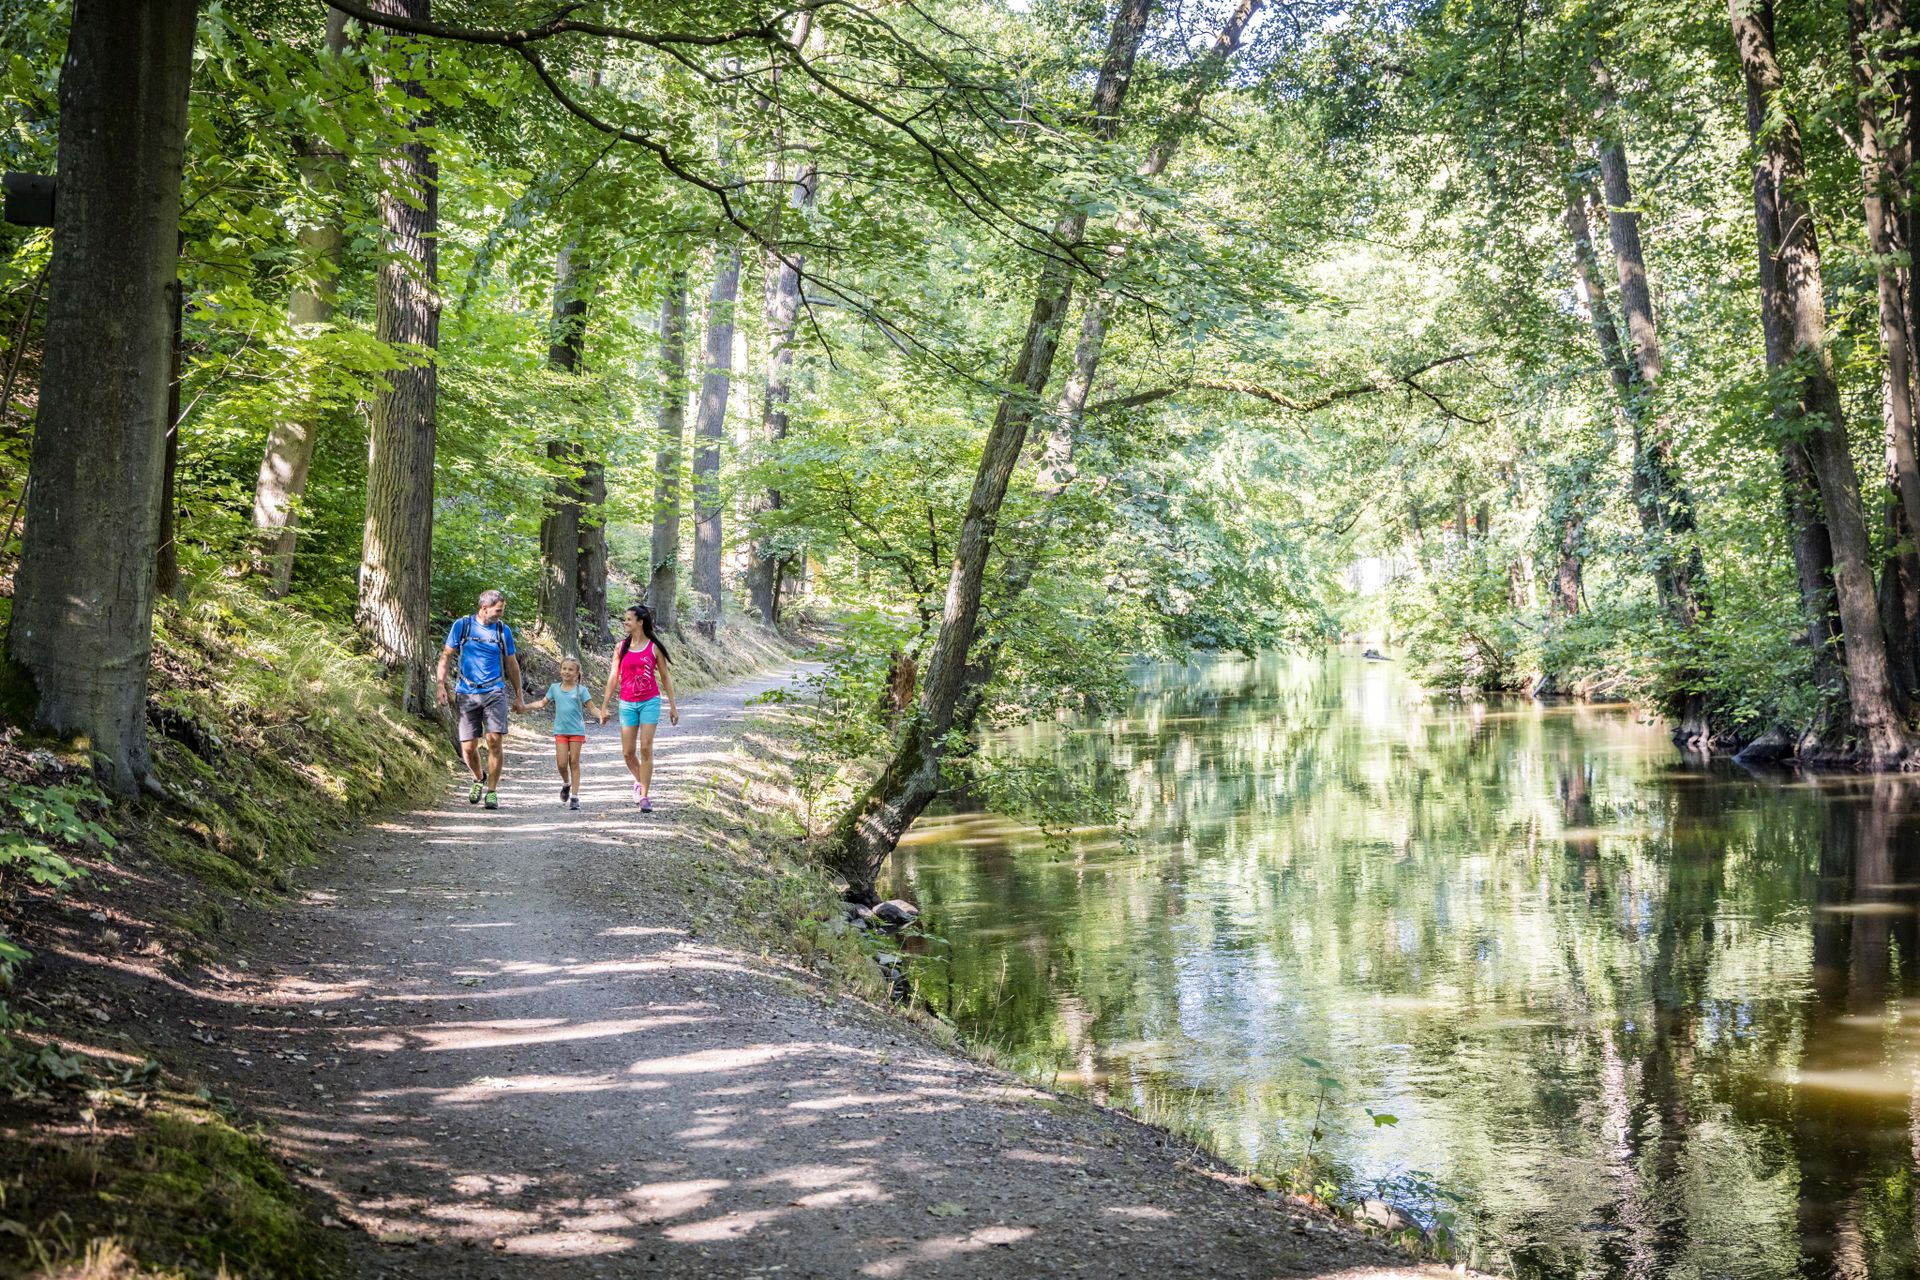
(1057, 469)
(709, 425)
(867, 836)
(1884, 162)
(397, 556)
(290, 441)
(663, 581)
(559, 603)
(82, 625)
(1662, 501)
(1882, 735)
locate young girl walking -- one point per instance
(569, 699)
(640, 675)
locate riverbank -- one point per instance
(497, 1044)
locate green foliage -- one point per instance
(843, 716)
(41, 827)
(1460, 625)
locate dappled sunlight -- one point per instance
(492, 1032)
(944, 1248)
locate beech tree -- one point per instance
(1789, 239)
(663, 580)
(396, 565)
(710, 423)
(83, 595)
(289, 451)
(560, 546)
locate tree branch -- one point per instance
(1408, 379)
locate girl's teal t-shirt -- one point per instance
(568, 708)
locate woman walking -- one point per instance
(640, 675)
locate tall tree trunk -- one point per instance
(592, 568)
(1664, 507)
(781, 274)
(1884, 164)
(1799, 498)
(1883, 738)
(82, 625)
(396, 558)
(559, 604)
(290, 441)
(1566, 572)
(1662, 500)
(867, 836)
(783, 313)
(663, 580)
(709, 425)
(166, 560)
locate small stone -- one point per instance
(896, 912)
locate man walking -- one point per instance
(489, 671)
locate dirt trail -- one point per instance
(489, 1037)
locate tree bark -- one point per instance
(783, 313)
(1884, 165)
(592, 567)
(663, 581)
(1882, 735)
(166, 560)
(290, 441)
(83, 594)
(397, 555)
(1664, 502)
(559, 604)
(709, 425)
(867, 836)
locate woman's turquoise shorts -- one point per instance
(634, 714)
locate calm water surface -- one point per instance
(1644, 1020)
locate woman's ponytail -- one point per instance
(646, 625)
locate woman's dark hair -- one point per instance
(644, 616)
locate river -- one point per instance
(1512, 963)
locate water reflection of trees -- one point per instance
(1651, 1020)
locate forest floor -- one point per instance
(514, 1043)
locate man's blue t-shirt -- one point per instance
(568, 703)
(482, 648)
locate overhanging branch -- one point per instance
(1408, 379)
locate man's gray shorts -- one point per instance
(482, 713)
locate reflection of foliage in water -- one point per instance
(1581, 979)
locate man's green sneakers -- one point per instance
(493, 799)
(473, 793)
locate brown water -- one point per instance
(1629, 1018)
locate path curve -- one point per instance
(491, 1040)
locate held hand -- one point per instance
(673, 715)
(519, 707)
(440, 698)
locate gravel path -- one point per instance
(490, 1040)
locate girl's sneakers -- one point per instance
(574, 803)
(566, 790)
(474, 792)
